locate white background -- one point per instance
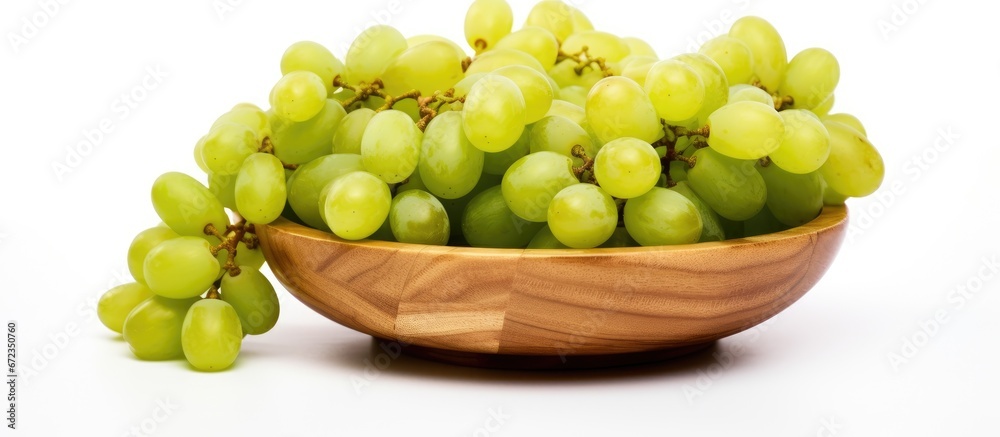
(822, 367)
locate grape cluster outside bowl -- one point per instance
(552, 309)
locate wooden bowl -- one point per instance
(551, 308)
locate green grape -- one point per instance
(390, 147)
(418, 217)
(638, 47)
(638, 68)
(250, 116)
(211, 335)
(347, 137)
(849, 120)
(535, 41)
(486, 23)
(308, 181)
(153, 328)
(299, 143)
(298, 96)
(488, 222)
(260, 188)
(498, 163)
(534, 88)
(384, 233)
(854, 168)
(245, 256)
(620, 238)
(199, 154)
(355, 205)
(733, 56)
(761, 224)
(429, 67)
(180, 268)
(545, 240)
(560, 134)
(494, 114)
(746, 130)
(599, 45)
(414, 182)
(811, 77)
(711, 227)
(662, 217)
(825, 106)
(580, 21)
(716, 86)
(569, 110)
(314, 58)
(627, 167)
(449, 165)
(186, 206)
(371, 52)
(462, 89)
(806, 143)
(733, 188)
(794, 199)
(227, 145)
(498, 58)
(769, 58)
(743, 92)
(577, 96)
(118, 302)
(831, 197)
(456, 207)
(532, 181)
(554, 16)
(253, 298)
(618, 107)
(142, 244)
(735, 228)
(676, 90)
(565, 75)
(582, 216)
(223, 187)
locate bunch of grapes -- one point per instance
(555, 135)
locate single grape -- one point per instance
(618, 107)
(142, 244)
(347, 137)
(429, 67)
(711, 226)
(153, 328)
(849, 120)
(116, 304)
(199, 154)
(733, 56)
(554, 16)
(312, 57)
(298, 96)
(249, 115)
(486, 23)
(494, 114)
(627, 168)
(769, 58)
(743, 92)
(675, 89)
(811, 77)
(260, 188)
(456, 207)
(186, 206)
(599, 45)
(637, 68)
(560, 134)
(580, 21)
(746, 130)
(638, 47)
(831, 197)
(732, 187)
(449, 165)
(355, 205)
(299, 143)
(418, 217)
(390, 147)
(582, 216)
(535, 41)
(534, 88)
(253, 298)
(662, 217)
(371, 52)
(854, 168)
(211, 335)
(825, 106)
(180, 268)
(545, 240)
(223, 187)
(488, 222)
(806, 144)
(308, 181)
(716, 86)
(227, 145)
(794, 199)
(498, 163)
(532, 181)
(498, 58)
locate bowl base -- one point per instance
(548, 362)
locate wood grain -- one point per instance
(451, 302)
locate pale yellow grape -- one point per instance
(553, 15)
(732, 55)
(462, 89)
(854, 168)
(825, 106)
(849, 120)
(142, 244)
(253, 298)
(530, 183)
(746, 130)
(416, 40)
(627, 168)
(390, 147)
(582, 216)
(227, 145)
(186, 206)
(638, 68)
(565, 75)
(118, 302)
(769, 57)
(180, 268)
(260, 188)
(299, 143)
(199, 158)
(308, 181)
(355, 205)
(298, 96)
(486, 22)
(417, 217)
(314, 57)
(494, 114)
(569, 110)
(743, 92)
(347, 136)
(211, 335)
(580, 21)
(806, 143)
(639, 47)
(371, 52)
(675, 89)
(153, 328)
(449, 165)
(499, 58)
(662, 217)
(535, 41)
(618, 107)
(534, 88)
(250, 116)
(716, 86)
(429, 67)
(811, 77)
(576, 95)
(560, 134)
(599, 45)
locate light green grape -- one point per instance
(211, 335)
(456, 207)
(716, 86)
(746, 130)
(560, 134)
(449, 165)
(761, 224)
(494, 114)
(620, 238)
(498, 163)
(554, 16)
(498, 58)
(711, 226)
(638, 47)
(199, 154)
(545, 240)
(260, 188)
(227, 145)
(743, 92)
(565, 75)
(371, 52)
(662, 217)
(582, 216)
(769, 57)
(569, 110)
(418, 217)
(627, 168)
(299, 143)
(180, 268)
(142, 244)
(315, 58)
(412, 183)
(534, 88)
(831, 197)
(733, 56)
(854, 168)
(308, 181)
(825, 106)
(794, 199)
(849, 120)
(535, 41)
(153, 328)
(487, 221)
(733, 188)
(599, 45)
(811, 77)
(580, 21)
(675, 89)
(298, 96)
(186, 206)
(355, 205)
(248, 115)
(637, 68)
(223, 187)
(116, 304)
(618, 107)
(530, 183)
(486, 23)
(806, 144)
(253, 298)
(462, 89)
(390, 147)
(577, 95)
(429, 67)
(347, 137)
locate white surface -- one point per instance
(820, 368)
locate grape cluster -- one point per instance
(555, 135)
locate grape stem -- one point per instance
(670, 136)
(241, 232)
(429, 106)
(213, 293)
(267, 146)
(781, 102)
(584, 60)
(585, 172)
